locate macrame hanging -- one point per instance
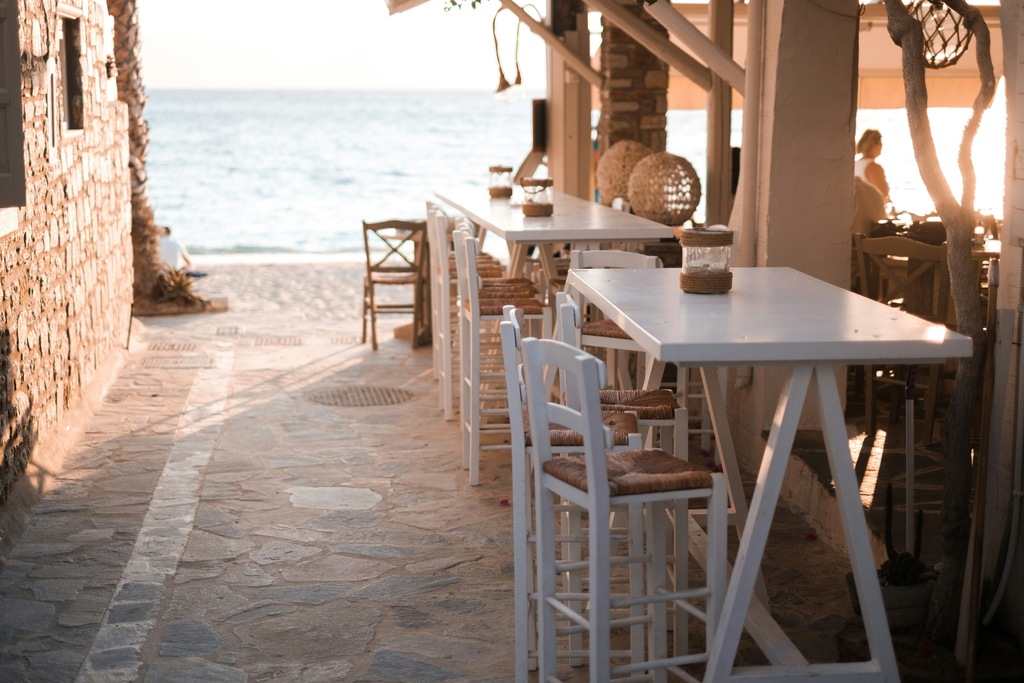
(946, 35)
(665, 188)
(503, 83)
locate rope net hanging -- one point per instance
(665, 188)
(946, 34)
(615, 166)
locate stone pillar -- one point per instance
(635, 97)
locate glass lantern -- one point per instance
(500, 186)
(706, 254)
(538, 197)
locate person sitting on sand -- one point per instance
(174, 255)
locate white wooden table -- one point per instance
(574, 220)
(778, 316)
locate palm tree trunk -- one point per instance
(958, 217)
(130, 90)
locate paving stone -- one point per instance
(135, 590)
(389, 666)
(131, 611)
(55, 665)
(323, 672)
(333, 497)
(121, 658)
(250, 574)
(380, 551)
(26, 615)
(393, 587)
(203, 546)
(86, 610)
(334, 568)
(279, 551)
(407, 616)
(189, 638)
(193, 670)
(26, 551)
(344, 520)
(260, 612)
(311, 595)
(314, 633)
(51, 590)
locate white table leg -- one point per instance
(882, 666)
(855, 528)
(727, 455)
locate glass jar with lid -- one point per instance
(500, 186)
(706, 255)
(538, 197)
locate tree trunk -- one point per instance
(130, 90)
(958, 217)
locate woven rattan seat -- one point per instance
(621, 424)
(495, 306)
(633, 472)
(604, 328)
(648, 404)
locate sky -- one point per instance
(330, 44)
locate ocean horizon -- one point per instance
(258, 175)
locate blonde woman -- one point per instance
(865, 167)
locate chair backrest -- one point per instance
(568, 331)
(466, 252)
(511, 331)
(394, 246)
(905, 273)
(611, 258)
(587, 375)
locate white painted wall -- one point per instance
(805, 170)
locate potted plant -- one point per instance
(906, 582)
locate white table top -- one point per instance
(771, 316)
(573, 220)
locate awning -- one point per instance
(880, 85)
(396, 6)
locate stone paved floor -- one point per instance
(219, 521)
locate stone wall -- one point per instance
(634, 100)
(65, 260)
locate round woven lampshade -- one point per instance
(665, 188)
(615, 166)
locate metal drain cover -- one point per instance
(178, 362)
(278, 341)
(361, 396)
(172, 346)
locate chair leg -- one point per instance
(931, 399)
(546, 635)
(366, 308)
(869, 399)
(373, 318)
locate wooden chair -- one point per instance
(395, 256)
(912, 276)
(597, 481)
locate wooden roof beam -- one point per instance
(715, 57)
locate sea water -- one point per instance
(296, 172)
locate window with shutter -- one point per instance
(12, 136)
